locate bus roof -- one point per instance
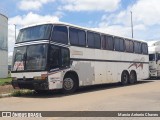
(84, 28)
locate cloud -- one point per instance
(32, 4)
(32, 18)
(144, 11)
(145, 20)
(20, 21)
(90, 5)
(147, 12)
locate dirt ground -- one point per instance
(143, 96)
(6, 89)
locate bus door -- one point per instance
(152, 65)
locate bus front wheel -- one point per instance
(69, 84)
(124, 78)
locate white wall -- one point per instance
(3, 46)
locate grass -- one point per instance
(5, 81)
(19, 93)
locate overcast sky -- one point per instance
(110, 16)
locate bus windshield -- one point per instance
(39, 32)
(30, 58)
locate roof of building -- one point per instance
(3, 15)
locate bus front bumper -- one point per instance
(30, 84)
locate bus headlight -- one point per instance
(14, 78)
(37, 78)
(42, 77)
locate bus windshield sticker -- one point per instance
(18, 65)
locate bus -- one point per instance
(50, 56)
(154, 59)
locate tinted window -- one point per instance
(122, 47)
(19, 58)
(94, 40)
(60, 34)
(36, 57)
(90, 38)
(103, 38)
(144, 48)
(34, 33)
(82, 37)
(119, 44)
(137, 47)
(58, 57)
(54, 57)
(107, 42)
(127, 43)
(77, 37)
(151, 57)
(65, 57)
(157, 56)
(129, 46)
(116, 43)
(110, 43)
(97, 41)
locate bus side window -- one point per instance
(65, 57)
(144, 48)
(90, 39)
(97, 41)
(54, 57)
(77, 37)
(129, 46)
(94, 40)
(109, 43)
(122, 46)
(117, 44)
(137, 47)
(103, 41)
(60, 34)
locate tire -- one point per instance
(124, 78)
(132, 77)
(70, 84)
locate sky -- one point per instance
(110, 16)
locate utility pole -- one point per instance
(131, 24)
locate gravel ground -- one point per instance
(6, 89)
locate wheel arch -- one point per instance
(125, 71)
(72, 73)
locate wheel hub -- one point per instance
(68, 84)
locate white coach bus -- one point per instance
(62, 56)
(154, 59)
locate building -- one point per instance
(3, 46)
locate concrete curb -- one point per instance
(5, 95)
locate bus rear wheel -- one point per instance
(132, 77)
(124, 78)
(69, 84)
